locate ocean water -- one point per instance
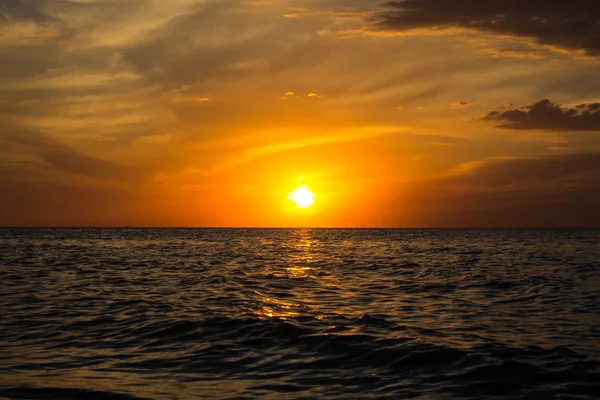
(299, 314)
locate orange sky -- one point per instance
(210, 112)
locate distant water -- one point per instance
(299, 314)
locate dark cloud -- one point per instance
(573, 24)
(19, 11)
(60, 156)
(552, 191)
(523, 173)
(549, 116)
(462, 104)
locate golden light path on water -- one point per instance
(298, 267)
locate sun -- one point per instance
(302, 196)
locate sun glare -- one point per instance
(302, 196)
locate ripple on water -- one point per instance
(155, 313)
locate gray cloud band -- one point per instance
(549, 116)
(573, 24)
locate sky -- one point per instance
(209, 113)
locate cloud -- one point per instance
(443, 144)
(462, 104)
(128, 90)
(216, 41)
(190, 99)
(22, 11)
(568, 24)
(550, 191)
(549, 116)
(54, 154)
(426, 94)
(315, 96)
(529, 54)
(289, 95)
(293, 95)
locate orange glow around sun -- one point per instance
(302, 196)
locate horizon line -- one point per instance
(292, 227)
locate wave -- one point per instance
(373, 352)
(153, 314)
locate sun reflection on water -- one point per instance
(301, 248)
(299, 272)
(275, 308)
(303, 256)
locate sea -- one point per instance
(127, 314)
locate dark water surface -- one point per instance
(299, 314)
